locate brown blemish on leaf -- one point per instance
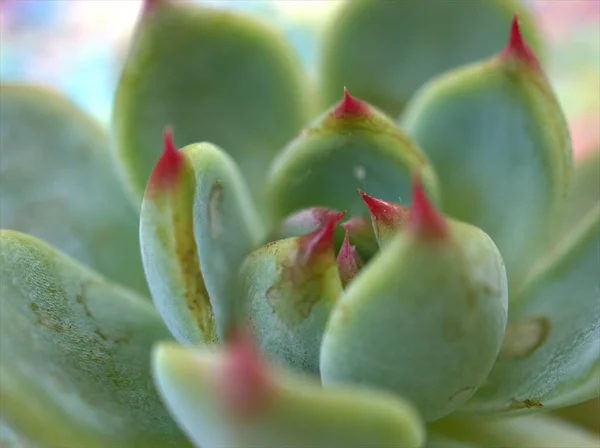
(461, 391)
(525, 404)
(212, 212)
(176, 233)
(298, 288)
(524, 337)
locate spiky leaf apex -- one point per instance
(289, 288)
(383, 51)
(386, 217)
(197, 224)
(288, 410)
(304, 221)
(58, 183)
(75, 352)
(550, 357)
(522, 171)
(348, 261)
(183, 68)
(361, 146)
(439, 283)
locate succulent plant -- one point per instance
(414, 264)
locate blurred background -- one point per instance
(77, 47)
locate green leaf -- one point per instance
(586, 414)
(383, 51)
(498, 141)
(424, 318)
(520, 432)
(75, 354)
(198, 223)
(57, 183)
(348, 147)
(584, 194)
(214, 76)
(551, 354)
(295, 412)
(290, 287)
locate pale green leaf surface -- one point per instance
(553, 357)
(75, 354)
(214, 76)
(298, 414)
(57, 182)
(383, 51)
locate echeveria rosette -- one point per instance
(279, 340)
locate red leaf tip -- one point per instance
(348, 261)
(384, 211)
(169, 165)
(517, 47)
(350, 106)
(423, 218)
(244, 377)
(320, 240)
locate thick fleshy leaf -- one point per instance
(197, 224)
(350, 146)
(586, 414)
(75, 354)
(9, 438)
(383, 51)
(584, 194)
(521, 432)
(57, 182)
(498, 141)
(289, 289)
(214, 76)
(551, 354)
(425, 318)
(209, 395)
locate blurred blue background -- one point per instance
(77, 47)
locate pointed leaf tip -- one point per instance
(244, 379)
(517, 47)
(423, 218)
(348, 261)
(380, 210)
(169, 165)
(350, 106)
(320, 240)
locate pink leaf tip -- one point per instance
(423, 218)
(244, 378)
(320, 240)
(383, 211)
(350, 106)
(517, 47)
(169, 165)
(348, 261)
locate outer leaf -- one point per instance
(75, 353)
(297, 414)
(57, 183)
(195, 231)
(551, 354)
(214, 76)
(584, 194)
(348, 147)
(521, 432)
(383, 51)
(498, 140)
(586, 414)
